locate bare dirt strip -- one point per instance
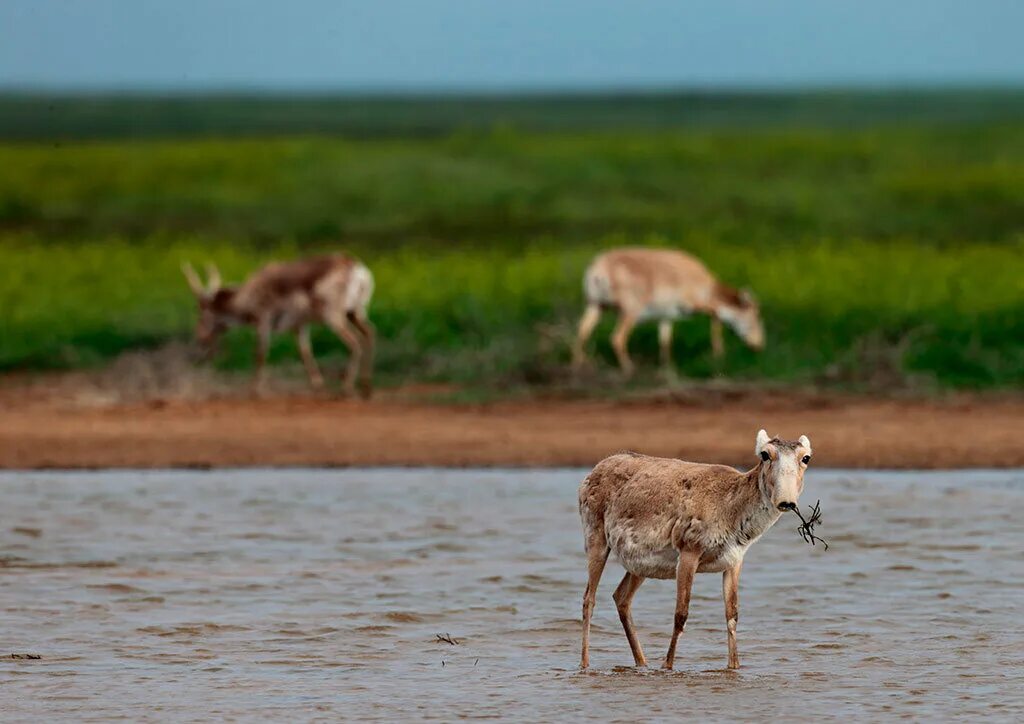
(846, 431)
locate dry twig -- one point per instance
(447, 638)
(806, 527)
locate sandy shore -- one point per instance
(846, 431)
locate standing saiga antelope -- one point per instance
(288, 297)
(661, 284)
(672, 519)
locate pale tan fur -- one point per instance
(288, 297)
(671, 519)
(661, 284)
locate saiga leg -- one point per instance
(591, 316)
(620, 339)
(731, 596)
(685, 571)
(665, 349)
(262, 346)
(665, 342)
(339, 323)
(306, 352)
(623, 597)
(361, 322)
(597, 556)
(717, 344)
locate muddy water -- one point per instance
(174, 596)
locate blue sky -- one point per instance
(506, 44)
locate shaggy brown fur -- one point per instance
(661, 284)
(288, 297)
(666, 518)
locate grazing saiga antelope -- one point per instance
(661, 284)
(288, 297)
(667, 519)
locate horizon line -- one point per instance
(383, 92)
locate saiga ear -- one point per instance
(213, 282)
(762, 440)
(194, 282)
(806, 442)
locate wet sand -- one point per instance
(197, 595)
(709, 425)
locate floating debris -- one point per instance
(447, 639)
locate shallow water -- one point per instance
(158, 596)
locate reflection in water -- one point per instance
(224, 593)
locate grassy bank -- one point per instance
(952, 186)
(881, 255)
(853, 312)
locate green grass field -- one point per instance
(883, 254)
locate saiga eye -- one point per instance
(807, 459)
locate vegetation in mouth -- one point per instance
(806, 527)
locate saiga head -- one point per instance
(783, 463)
(215, 314)
(744, 316)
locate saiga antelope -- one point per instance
(661, 284)
(288, 297)
(672, 519)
